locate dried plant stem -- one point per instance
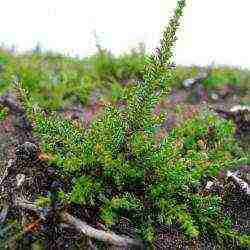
(108, 237)
(101, 235)
(242, 184)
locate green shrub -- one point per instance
(53, 80)
(225, 75)
(117, 167)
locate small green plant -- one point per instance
(224, 75)
(43, 201)
(117, 167)
(3, 113)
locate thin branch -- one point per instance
(83, 227)
(20, 179)
(4, 212)
(101, 235)
(6, 171)
(238, 108)
(30, 206)
(242, 184)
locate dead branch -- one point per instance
(20, 202)
(6, 171)
(238, 108)
(83, 227)
(4, 212)
(20, 178)
(101, 235)
(242, 184)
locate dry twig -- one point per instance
(242, 184)
(101, 235)
(108, 237)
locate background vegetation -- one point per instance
(56, 80)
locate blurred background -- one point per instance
(211, 31)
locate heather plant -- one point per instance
(108, 68)
(130, 65)
(104, 67)
(221, 76)
(117, 168)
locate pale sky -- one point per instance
(211, 30)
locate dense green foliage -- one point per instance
(56, 80)
(115, 166)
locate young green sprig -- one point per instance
(157, 76)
